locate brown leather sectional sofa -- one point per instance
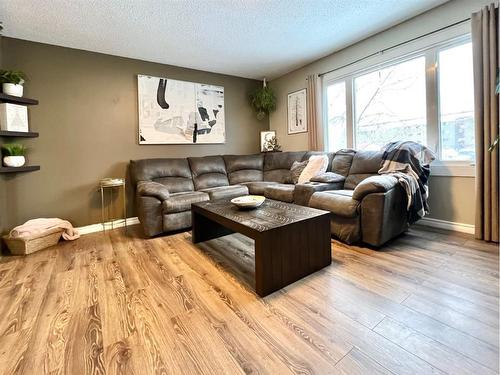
(364, 206)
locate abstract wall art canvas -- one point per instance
(179, 112)
(296, 112)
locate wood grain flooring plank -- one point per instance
(455, 339)
(117, 303)
(126, 358)
(336, 324)
(48, 345)
(238, 338)
(422, 274)
(343, 302)
(85, 353)
(452, 318)
(436, 354)
(196, 339)
(155, 334)
(13, 350)
(118, 320)
(465, 307)
(127, 254)
(357, 363)
(22, 302)
(261, 322)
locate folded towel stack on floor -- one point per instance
(35, 227)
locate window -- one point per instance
(456, 103)
(337, 122)
(389, 105)
(426, 96)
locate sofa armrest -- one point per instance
(374, 184)
(383, 216)
(303, 192)
(152, 189)
(150, 213)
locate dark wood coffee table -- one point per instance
(291, 241)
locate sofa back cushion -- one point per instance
(175, 174)
(244, 168)
(342, 160)
(208, 172)
(364, 164)
(277, 165)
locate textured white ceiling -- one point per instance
(247, 38)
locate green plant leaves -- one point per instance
(12, 76)
(13, 149)
(263, 101)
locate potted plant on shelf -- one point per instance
(12, 82)
(263, 101)
(13, 154)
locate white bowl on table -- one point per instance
(248, 201)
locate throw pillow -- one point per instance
(328, 177)
(317, 165)
(296, 170)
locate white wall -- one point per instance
(451, 198)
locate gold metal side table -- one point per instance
(110, 184)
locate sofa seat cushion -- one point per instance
(258, 187)
(338, 202)
(180, 202)
(226, 192)
(280, 192)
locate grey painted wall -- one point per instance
(451, 198)
(87, 119)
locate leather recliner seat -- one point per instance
(364, 206)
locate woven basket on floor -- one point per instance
(24, 246)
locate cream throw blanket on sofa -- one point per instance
(35, 227)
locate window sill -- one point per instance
(453, 169)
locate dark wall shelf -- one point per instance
(27, 168)
(6, 133)
(4, 98)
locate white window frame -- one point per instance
(430, 50)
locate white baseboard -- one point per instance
(92, 228)
(426, 221)
(449, 225)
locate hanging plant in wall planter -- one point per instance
(12, 82)
(263, 101)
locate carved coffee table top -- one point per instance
(271, 214)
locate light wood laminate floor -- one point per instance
(116, 304)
